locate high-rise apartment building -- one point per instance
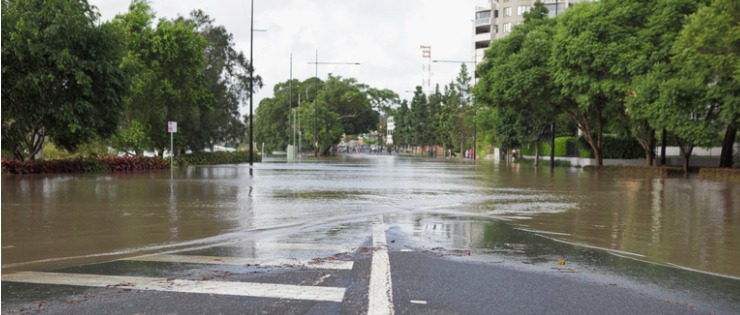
(497, 18)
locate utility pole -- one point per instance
(315, 109)
(251, 88)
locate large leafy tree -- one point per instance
(61, 75)
(169, 83)
(651, 66)
(344, 106)
(226, 72)
(351, 101)
(707, 53)
(590, 62)
(271, 116)
(516, 82)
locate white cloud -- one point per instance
(383, 35)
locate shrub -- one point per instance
(136, 163)
(85, 165)
(614, 148)
(216, 158)
(529, 149)
(561, 147)
(544, 162)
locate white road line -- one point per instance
(239, 261)
(381, 288)
(421, 302)
(267, 290)
(292, 246)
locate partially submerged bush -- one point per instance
(216, 158)
(85, 165)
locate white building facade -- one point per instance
(497, 18)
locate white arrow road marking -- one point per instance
(267, 290)
(381, 289)
(239, 261)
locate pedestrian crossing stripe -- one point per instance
(247, 289)
(240, 261)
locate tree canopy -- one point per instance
(71, 79)
(61, 75)
(619, 67)
(344, 106)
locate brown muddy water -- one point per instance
(54, 221)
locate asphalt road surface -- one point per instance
(383, 275)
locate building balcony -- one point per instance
(483, 21)
(482, 38)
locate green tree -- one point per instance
(226, 72)
(383, 100)
(350, 100)
(706, 52)
(402, 134)
(590, 61)
(516, 83)
(343, 103)
(450, 119)
(61, 75)
(132, 138)
(169, 84)
(329, 126)
(436, 101)
(421, 120)
(458, 110)
(651, 66)
(271, 116)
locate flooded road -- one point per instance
(494, 211)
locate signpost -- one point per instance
(172, 128)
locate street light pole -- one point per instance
(251, 88)
(315, 110)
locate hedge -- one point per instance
(615, 148)
(85, 165)
(561, 147)
(216, 158)
(612, 148)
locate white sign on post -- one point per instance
(171, 126)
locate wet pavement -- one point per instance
(670, 241)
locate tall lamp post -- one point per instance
(251, 85)
(475, 110)
(315, 101)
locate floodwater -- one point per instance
(492, 210)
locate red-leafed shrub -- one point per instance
(136, 163)
(87, 165)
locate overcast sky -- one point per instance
(383, 35)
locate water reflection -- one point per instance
(687, 222)
(500, 243)
(67, 219)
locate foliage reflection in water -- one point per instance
(61, 220)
